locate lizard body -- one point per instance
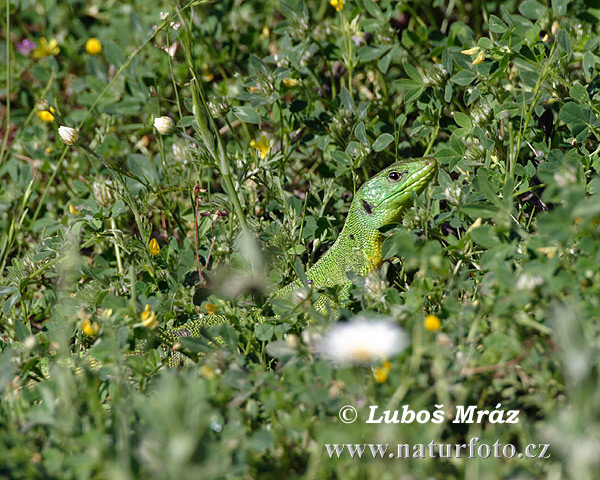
(378, 202)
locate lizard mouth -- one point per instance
(415, 181)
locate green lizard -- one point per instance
(378, 202)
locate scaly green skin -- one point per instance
(378, 202)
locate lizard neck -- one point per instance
(357, 249)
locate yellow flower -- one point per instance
(266, 32)
(211, 308)
(381, 373)
(207, 372)
(93, 46)
(470, 51)
(337, 4)
(479, 59)
(432, 323)
(548, 251)
(45, 49)
(263, 146)
(73, 210)
(154, 247)
(207, 75)
(89, 328)
(149, 318)
(45, 116)
(290, 82)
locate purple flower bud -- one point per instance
(25, 46)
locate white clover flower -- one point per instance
(565, 177)
(68, 135)
(363, 341)
(164, 125)
(453, 194)
(529, 282)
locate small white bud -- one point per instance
(164, 125)
(68, 135)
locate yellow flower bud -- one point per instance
(470, 51)
(479, 59)
(45, 116)
(211, 308)
(337, 4)
(93, 46)
(90, 328)
(154, 247)
(263, 146)
(380, 374)
(73, 210)
(207, 372)
(432, 323)
(290, 82)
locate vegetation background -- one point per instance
(98, 240)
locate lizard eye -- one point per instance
(394, 176)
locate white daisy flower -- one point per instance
(363, 341)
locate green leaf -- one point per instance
(384, 62)
(478, 210)
(447, 61)
(559, 7)
(246, 114)
(186, 121)
(484, 236)
(446, 155)
(382, 141)
(264, 331)
(483, 185)
(485, 42)
(496, 25)
(463, 78)
(412, 73)
(113, 53)
(10, 303)
(579, 93)
(562, 38)
(373, 9)
(397, 245)
(368, 53)
(532, 9)
(448, 92)
(346, 100)
(361, 134)
(463, 120)
(340, 157)
(7, 290)
(126, 107)
(22, 331)
(571, 113)
(588, 64)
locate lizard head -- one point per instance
(380, 200)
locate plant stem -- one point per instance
(7, 129)
(113, 226)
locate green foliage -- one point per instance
(504, 248)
